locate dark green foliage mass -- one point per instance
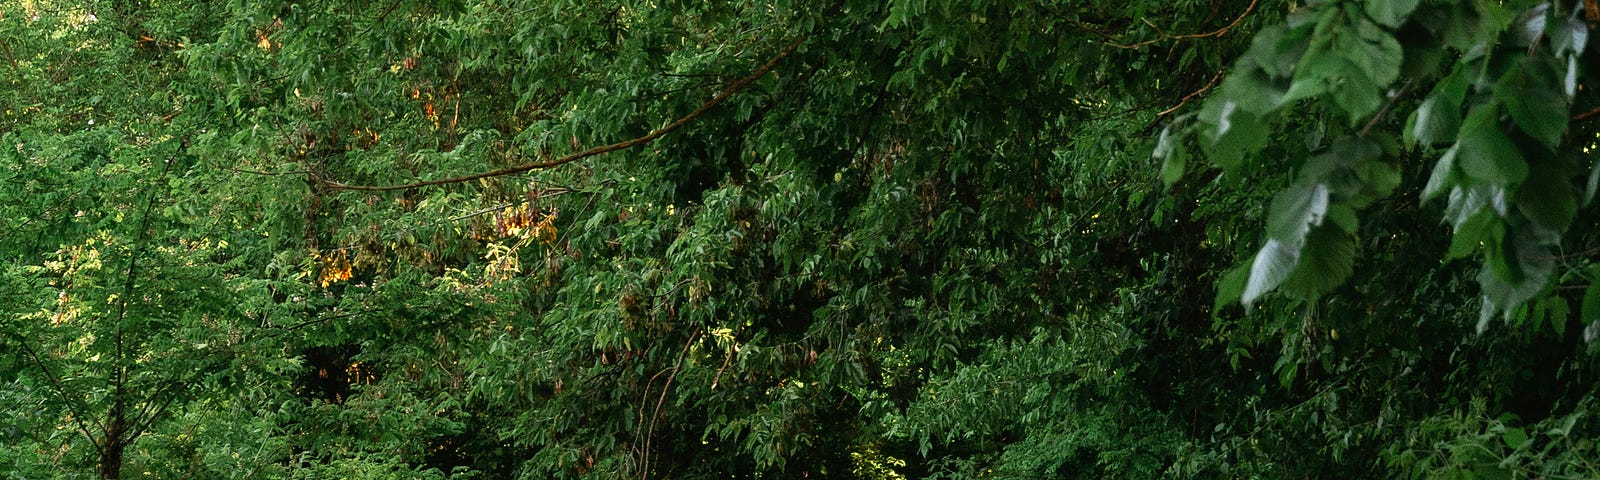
(785, 239)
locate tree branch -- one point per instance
(726, 92)
(1191, 95)
(1214, 33)
(1385, 110)
(1586, 115)
(644, 464)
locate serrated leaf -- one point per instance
(1443, 175)
(1569, 37)
(1253, 91)
(1344, 217)
(1376, 52)
(1380, 178)
(1534, 267)
(1473, 23)
(1231, 133)
(1390, 13)
(1435, 122)
(1174, 157)
(1471, 233)
(1296, 210)
(1541, 113)
(1422, 58)
(1485, 153)
(1231, 286)
(1277, 49)
(1466, 200)
(1547, 200)
(1172, 169)
(1326, 260)
(1501, 255)
(1357, 96)
(1272, 265)
(1315, 74)
(1494, 15)
(1529, 25)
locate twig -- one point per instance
(1385, 110)
(1586, 115)
(724, 368)
(1191, 96)
(644, 464)
(266, 174)
(1217, 32)
(726, 92)
(1086, 27)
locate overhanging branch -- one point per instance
(726, 92)
(1164, 37)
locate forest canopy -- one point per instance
(788, 239)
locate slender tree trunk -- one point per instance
(115, 442)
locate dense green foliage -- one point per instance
(788, 239)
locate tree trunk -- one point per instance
(115, 443)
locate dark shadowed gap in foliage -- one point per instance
(331, 371)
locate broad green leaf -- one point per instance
(1529, 25)
(1276, 49)
(1533, 266)
(1466, 200)
(1557, 311)
(1569, 36)
(1231, 286)
(1443, 176)
(1589, 312)
(1253, 91)
(1548, 200)
(1344, 217)
(1484, 151)
(1296, 210)
(1174, 156)
(1390, 13)
(1473, 23)
(1540, 112)
(1471, 233)
(1422, 58)
(1435, 122)
(1272, 265)
(1326, 260)
(1357, 96)
(1315, 74)
(1232, 133)
(1375, 51)
(1501, 255)
(1380, 178)
(1515, 437)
